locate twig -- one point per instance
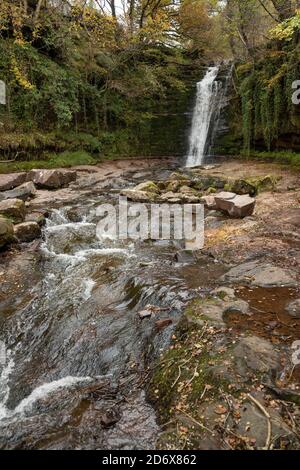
(197, 422)
(264, 411)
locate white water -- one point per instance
(206, 100)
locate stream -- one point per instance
(77, 353)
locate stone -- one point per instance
(148, 186)
(256, 354)
(37, 217)
(145, 313)
(11, 181)
(24, 192)
(52, 179)
(223, 292)
(184, 256)
(293, 308)
(13, 209)
(139, 196)
(240, 307)
(260, 274)
(173, 198)
(209, 202)
(234, 205)
(6, 232)
(27, 231)
(163, 323)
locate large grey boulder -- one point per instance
(260, 274)
(13, 209)
(11, 181)
(234, 205)
(24, 192)
(51, 179)
(27, 231)
(6, 232)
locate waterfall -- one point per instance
(205, 107)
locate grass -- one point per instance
(283, 157)
(62, 160)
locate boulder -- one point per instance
(37, 217)
(224, 292)
(240, 307)
(13, 209)
(256, 354)
(27, 231)
(293, 308)
(260, 274)
(6, 232)
(11, 181)
(138, 196)
(24, 192)
(148, 186)
(51, 179)
(234, 205)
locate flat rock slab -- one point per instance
(293, 308)
(261, 275)
(11, 181)
(234, 205)
(13, 209)
(51, 179)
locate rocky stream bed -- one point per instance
(143, 345)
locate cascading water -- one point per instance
(206, 103)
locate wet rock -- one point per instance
(260, 274)
(6, 232)
(293, 308)
(240, 307)
(256, 354)
(163, 323)
(37, 217)
(51, 179)
(11, 181)
(223, 292)
(24, 192)
(13, 209)
(234, 205)
(145, 314)
(27, 231)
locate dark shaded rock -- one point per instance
(27, 231)
(13, 209)
(11, 181)
(184, 256)
(6, 232)
(51, 179)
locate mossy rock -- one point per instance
(253, 186)
(6, 231)
(148, 187)
(211, 190)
